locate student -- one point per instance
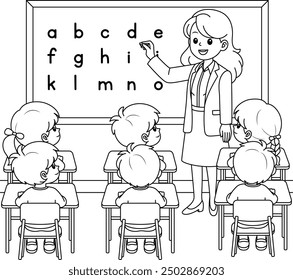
(137, 123)
(34, 121)
(140, 166)
(257, 120)
(253, 163)
(210, 65)
(38, 165)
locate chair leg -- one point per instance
(58, 243)
(271, 237)
(234, 240)
(21, 241)
(122, 245)
(158, 239)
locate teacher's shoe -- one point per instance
(213, 212)
(188, 210)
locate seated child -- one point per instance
(34, 121)
(257, 120)
(137, 123)
(254, 164)
(37, 164)
(140, 167)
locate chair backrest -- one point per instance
(253, 210)
(140, 213)
(40, 213)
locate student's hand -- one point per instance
(225, 132)
(149, 48)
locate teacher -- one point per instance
(210, 65)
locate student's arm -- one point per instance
(232, 196)
(22, 198)
(60, 199)
(161, 200)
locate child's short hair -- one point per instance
(31, 160)
(132, 121)
(139, 166)
(32, 120)
(253, 162)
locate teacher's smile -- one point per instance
(203, 52)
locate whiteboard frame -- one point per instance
(32, 5)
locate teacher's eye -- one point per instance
(210, 41)
(195, 40)
(53, 165)
(154, 128)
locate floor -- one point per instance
(196, 248)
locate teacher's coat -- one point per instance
(218, 104)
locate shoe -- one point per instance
(49, 246)
(149, 246)
(213, 212)
(188, 210)
(131, 246)
(32, 246)
(243, 243)
(260, 243)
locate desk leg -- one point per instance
(172, 229)
(285, 225)
(108, 222)
(72, 229)
(10, 177)
(110, 176)
(69, 177)
(110, 225)
(170, 178)
(7, 229)
(220, 226)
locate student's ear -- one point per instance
(44, 137)
(248, 134)
(144, 137)
(224, 45)
(43, 175)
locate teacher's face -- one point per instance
(203, 47)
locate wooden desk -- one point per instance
(284, 200)
(8, 203)
(108, 203)
(225, 154)
(69, 169)
(111, 169)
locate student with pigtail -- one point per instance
(257, 120)
(34, 121)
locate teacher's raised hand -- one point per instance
(149, 48)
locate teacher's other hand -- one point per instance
(149, 48)
(225, 132)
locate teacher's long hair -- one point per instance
(215, 24)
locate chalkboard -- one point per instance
(84, 58)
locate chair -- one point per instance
(252, 218)
(39, 221)
(140, 221)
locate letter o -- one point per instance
(158, 85)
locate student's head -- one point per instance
(210, 36)
(253, 162)
(137, 123)
(257, 120)
(37, 163)
(35, 121)
(139, 166)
